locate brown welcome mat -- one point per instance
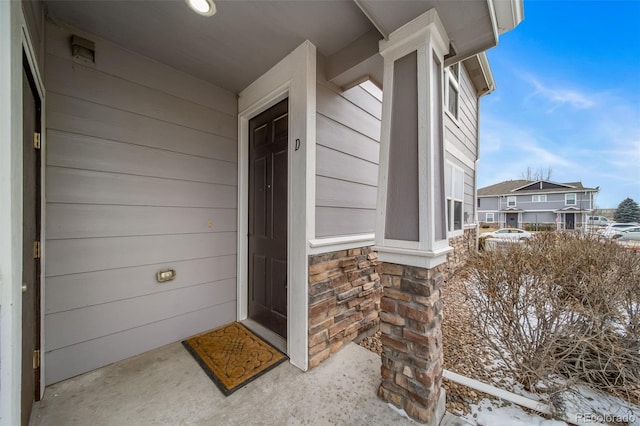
(233, 356)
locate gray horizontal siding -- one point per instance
(91, 187)
(463, 136)
(141, 176)
(69, 292)
(489, 203)
(554, 201)
(539, 217)
(105, 155)
(86, 118)
(337, 165)
(347, 154)
(95, 220)
(81, 324)
(463, 133)
(339, 193)
(71, 79)
(71, 256)
(332, 221)
(91, 354)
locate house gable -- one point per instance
(543, 184)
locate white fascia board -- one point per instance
(486, 73)
(508, 14)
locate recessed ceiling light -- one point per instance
(202, 7)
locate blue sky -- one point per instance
(567, 98)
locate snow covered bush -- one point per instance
(561, 305)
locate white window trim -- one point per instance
(454, 232)
(542, 200)
(493, 217)
(515, 201)
(293, 77)
(575, 199)
(451, 78)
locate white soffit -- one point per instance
(232, 48)
(469, 24)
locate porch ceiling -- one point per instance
(246, 38)
(230, 49)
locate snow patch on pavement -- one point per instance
(489, 413)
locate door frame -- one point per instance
(294, 77)
(37, 299)
(510, 214)
(15, 41)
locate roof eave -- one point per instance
(484, 82)
(508, 14)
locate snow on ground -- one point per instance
(583, 403)
(489, 413)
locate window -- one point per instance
(489, 218)
(511, 201)
(452, 91)
(539, 198)
(570, 199)
(454, 189)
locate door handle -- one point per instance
(24, 287)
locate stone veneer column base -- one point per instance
(410, 322)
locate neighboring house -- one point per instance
(524, 203)
(259, 153)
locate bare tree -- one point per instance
(537, 174)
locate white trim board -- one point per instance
(293, 77)
(14, 39)
(458, 154)
(328, 245)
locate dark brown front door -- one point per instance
(268, 165)
(512, 220)
(30, 255)
(569, 221)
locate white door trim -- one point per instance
(293, 77)
(14, 39)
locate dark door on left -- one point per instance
(268, 170)
(30, 245)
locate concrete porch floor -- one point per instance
(167, 387)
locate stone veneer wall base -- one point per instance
(344, 300)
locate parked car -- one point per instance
(614, 229)
(632, 233)
(509, 233)
(598, 221)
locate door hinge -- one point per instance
(36, 359)
(36, 140)
(37, 249)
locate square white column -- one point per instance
(411, 219)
